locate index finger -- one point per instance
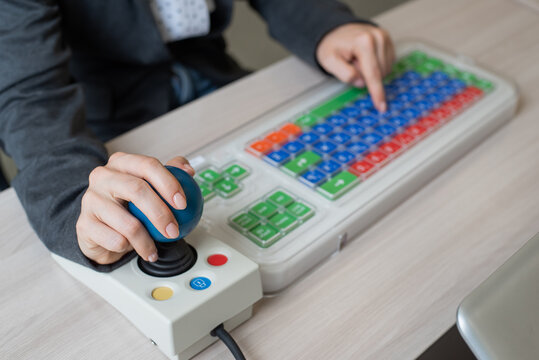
(151, 170)
(365, 52)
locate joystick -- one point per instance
(175, 256)
(187, 295)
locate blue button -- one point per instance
(395, 105)
(429, 83)
(372, 138)
(435, 98)
(399, 121)
(340, 137)
(368, 121)
(424, 105)
(406, 97)
(418, 89)
(344, 157)
(439, 76)
(313, 177)
(448, 90)
(411, 113)
(337, 120)
(386, 129)
(325, 147)
(411, 75)
(351, 111)
(200, 283)
(309, 137)
(364, 103)
(330, 167)
(354, 129)
(323, 128)
(277, 157)
(294, 147)
(459, 85)
(358, 147)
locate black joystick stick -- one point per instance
(175, 256)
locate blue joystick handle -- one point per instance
(187, 219)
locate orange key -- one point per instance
(277, 137)
(260, 146)
(291, 129)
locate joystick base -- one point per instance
(175, 258)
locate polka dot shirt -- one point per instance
(182, 19)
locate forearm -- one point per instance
(42, 124)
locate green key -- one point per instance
(338, 102)
(283, 221)
(227, 188)
(307, 120)
(236, 171)
(484, 84)
(301, 163)
(433, 64)
(264, 235)
(467, 77)
(400, 67)
(264, 209)
(207, 193)
(338, 185)
(417, 56)
(300, 210)
(210, 176)
(280, 198)
(244, 221)
(451, 70)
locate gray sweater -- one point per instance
(76, 73)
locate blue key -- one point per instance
(277, 157)
(400, 84)
(309, 138)
(386, 129)
(323, 128)
(365, 103)
(429, 83)
(424, 105)
(344, 157)
(351, 112)
(330, 167)
(411, 113)
(372, 138)
(358, 147)
(313, 177)
(399, 121)
(325, 147)
(368, 120)
(354, 129)
(337, 120)
(395, 105)
(447, 90)
(411, 75)
(435, 98)
(459, 85)
(294, 147)
(418, 90)
(340, 137)
(406, 97)
(439, 76)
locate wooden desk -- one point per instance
(388, 294)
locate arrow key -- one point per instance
(338, 185)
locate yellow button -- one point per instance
(162, 293)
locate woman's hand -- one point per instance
(106, 230)
(359, 54)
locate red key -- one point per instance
(376, 157)
(404, 138)
(455, 104)
(428, 121)
(415, 130)
(474, 90)
(390, 147)
(464, 97)
(361, 168)
(441, 113)
(277, 137)
(260, 146)
(291, 129)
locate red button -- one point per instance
(217, 259)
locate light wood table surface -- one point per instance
(392, 291)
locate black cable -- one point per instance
(227, 339)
